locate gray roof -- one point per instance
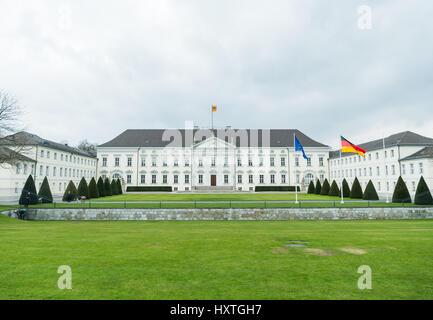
(6, 153)
(406, 138)
(153, 138)
(426, 152)
(25, 138)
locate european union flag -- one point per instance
(299, 147)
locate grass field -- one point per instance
(215, 259)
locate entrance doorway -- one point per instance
(213, 180)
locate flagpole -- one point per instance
(296, 182)
(342, 175)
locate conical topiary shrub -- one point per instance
(93, 189)
(29, 186)
(114, 187)
(334, 191)
(370, 192)
(325, 188)
(401, 194)
(346, 189)
(119, 186)
(423, 195)
(318, 187)
(83, 189)
(70, 188)
(101, 187)
(107, 188)
(356, 192)
(311, 188)
(45, 194)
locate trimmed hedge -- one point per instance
(45, 192)
(100, 185)
(325, 188)
(401, 193)
(113, 185)
(346, 189)
(29, 186)
(370, 192)
(119, 186)
(93, 189)
(107, 188)
(83, 189)
(334, 191)
(148, 189)
(276, 188)
(356, 192)
(311, 188)
(74, 192)
(318, 187)
(423, 195)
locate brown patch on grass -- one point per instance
(353, 250)
(280, 251)
(319, 252)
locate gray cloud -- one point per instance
(91, 69)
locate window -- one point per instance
(47, 171)
(186, 178)
(226, 178)
(309, 162)
(164, 162)
(365, 172)
(104, 161)
(18, 168)
(33, 169)
(200, 163)
(143, 162)
(239, 162)
(262, 178)
(421, 168)
(73, 173)
(164, 178)
(369, 157)
(411, 168)
(129, 162)
(66, 157)
(128, 178)
(250, 161)
(296, 161)
(61, 172)
(143, 179)
(153, 161)
(272, 161)
(175, 179)
(116, 161)
(403, 168)
(386, 154)
(377, 171)
(55, 155)
(393, 169)
(378, 186)
(153, 178)
(250, 179)
(61, 157)
(239, 178)
(298, 178)
(377, 155)
(387, 186)
(42, 153)
(283, 162)
(413, 186)
(321, 162)
(283, 178)
(54, 171)
(392, 153)
(272, 178)
(260, 162)
(200, 178)
(176, 163)
(370, 171)
(213, 161)
(386, 170)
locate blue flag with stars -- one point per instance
(299, 147)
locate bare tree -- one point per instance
(11, 145)
(87, 146)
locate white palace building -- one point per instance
(204, 160)
(221, 159)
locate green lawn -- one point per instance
(215, 259)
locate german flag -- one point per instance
(347, 146)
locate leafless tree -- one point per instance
(87, 146)
(11, 146)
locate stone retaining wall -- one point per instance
(229, 214)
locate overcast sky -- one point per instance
(91, 69)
